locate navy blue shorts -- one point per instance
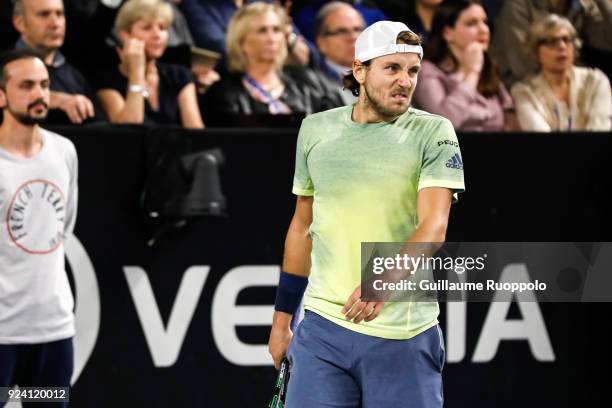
(335, 367)
(37, 365)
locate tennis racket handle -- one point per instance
(280, 385)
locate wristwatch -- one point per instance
(139, 89)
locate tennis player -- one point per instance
(38, 201)
(376, 171)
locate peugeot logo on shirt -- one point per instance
(36, 217)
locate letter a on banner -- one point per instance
(497, 328)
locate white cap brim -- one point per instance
(388, 50)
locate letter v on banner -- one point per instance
(165, 342)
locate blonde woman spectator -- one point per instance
(257, 82)
(561, 96)
(141, 89)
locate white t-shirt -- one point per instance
(38, 202)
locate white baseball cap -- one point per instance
(381, 39)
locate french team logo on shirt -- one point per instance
(36, 217)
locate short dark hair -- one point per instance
(350, 82)
(14, 55)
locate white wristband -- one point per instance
(139, 89)
(111, 3)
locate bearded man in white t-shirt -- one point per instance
(38, 202)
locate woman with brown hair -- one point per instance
(458, 79)
(561, 96)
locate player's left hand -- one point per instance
(357, 310)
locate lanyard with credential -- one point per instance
(274, 104)
(558, 116)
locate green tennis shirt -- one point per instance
(365, 179)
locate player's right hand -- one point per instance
(357, 310)
(280, 337)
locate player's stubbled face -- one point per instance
(389, 83)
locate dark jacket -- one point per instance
(305, 92)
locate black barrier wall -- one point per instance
(184, 322)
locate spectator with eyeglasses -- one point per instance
(337, 26)
(561, 96)
(592, 20)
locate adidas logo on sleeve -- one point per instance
(455, 162)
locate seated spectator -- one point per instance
(141, 89)
(337, 27)
(257, 84)
(561, 96)
(42, 26)
(181, 49)
(592, 20)
(458, 79)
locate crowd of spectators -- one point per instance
(544, 65)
